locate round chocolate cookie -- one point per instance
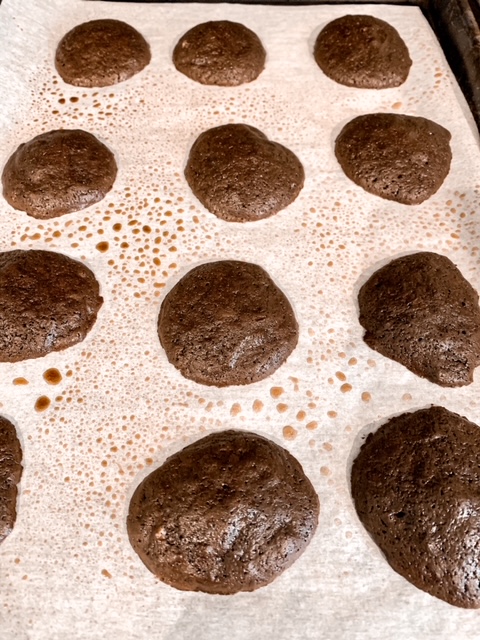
(48, 302)
(227, 323)
(397, 157)
(101, 53)
(415, 484)
(58, 172)
(228, 513)
(10, 474)
(220, 53)
(420, 311)
(362, 51)
(240, 175)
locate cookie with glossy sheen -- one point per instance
(221, 53)
(48, 302)
(420, 311)
(362, 51)
(10, 474)
(58, 172)
(397, 157)
(100, 53)
(415, 485)
(227, 323)
(240, 175)
(228, 513)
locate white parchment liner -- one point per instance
(67, 570)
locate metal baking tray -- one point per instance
(101, 590)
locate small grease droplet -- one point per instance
(257, 406)
(106, 573)
(289, 433)
(42, 404)
(20, 381)
(236, 409)
(52, 376)
(325, 471)
(341, 376)
(366, 396)
(311, 426)
(407, 397)
(281, 407)
(345, 388)
(102, 247)
(276, 392)
(301, 415)
(332, 414)
(352, 362)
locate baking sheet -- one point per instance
(67, 570)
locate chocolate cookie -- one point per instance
(240, 175)
(220, 53)
(227, 323)
(58, 172)
(396, 157)
(228, 513)
(420, 311)
(362, 51)
(415, 484)
(101, 53)
(10, 474)
(48, 302)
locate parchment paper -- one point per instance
(67, 570)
